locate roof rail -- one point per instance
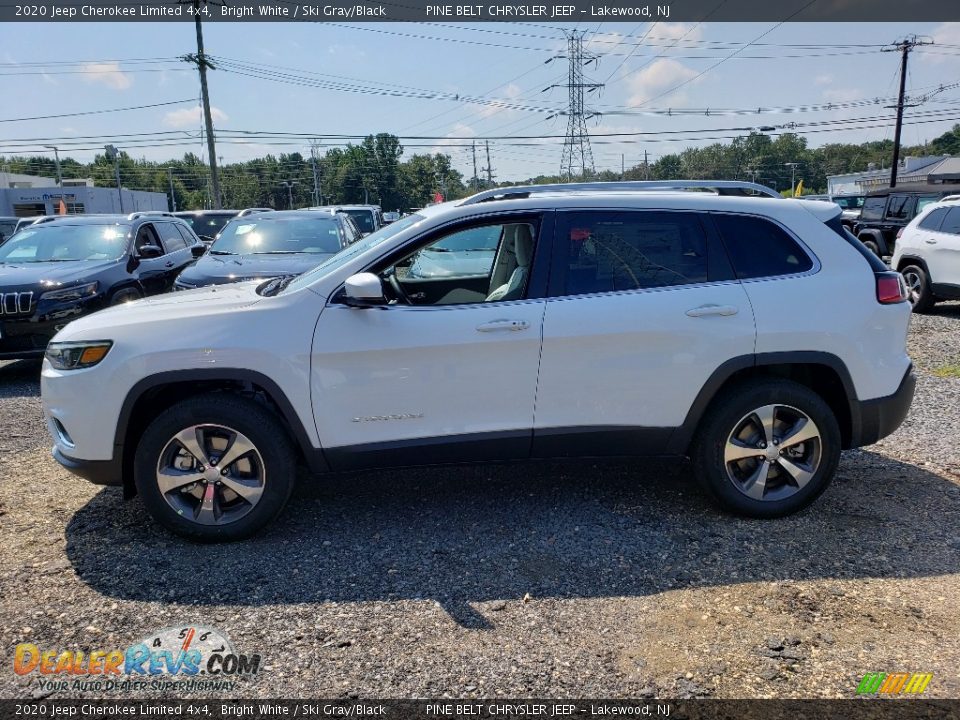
(721, 187)
(142, 213)
(950, 198)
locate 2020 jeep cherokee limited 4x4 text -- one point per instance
(751, 334)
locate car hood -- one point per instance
(214, 269)
(14, 274)
(175, 307)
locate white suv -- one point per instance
(752, 334)
(928, 254)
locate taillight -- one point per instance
(890, 288)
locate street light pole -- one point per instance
(56, 159)
(793, 177)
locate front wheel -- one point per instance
(918, 288)
(767, 449)
(215, 467)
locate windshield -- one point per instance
(351, 251)
(362, 218)
(65, 243)
(7, 227)
(207, 225)
(256, 235)
(849, 202)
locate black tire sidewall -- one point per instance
(926, 300)
(124, 295)
(728, 410)
(259, 424)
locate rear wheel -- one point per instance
(215, 468)
(872, 246)
(767, 449)
(918, 288)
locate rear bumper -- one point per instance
(882, 416)
(99, 472)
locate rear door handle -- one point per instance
(512, 325)
(708, 310)
(169, 264)
(930, 242)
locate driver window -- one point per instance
(145, 237)
(484, 263)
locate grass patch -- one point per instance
(947, 371)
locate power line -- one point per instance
(98, 112)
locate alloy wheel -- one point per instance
(211, 474)
(772, 452)
(914, 286)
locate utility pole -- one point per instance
(793, 176)
(200, 60)
(173, 197)
(476, 180)
(288, 184)
(903, 47)
(114, 154)
(623, 167)
(316, 176)
(489, 167)
(56, 159)
(646, 166)
(576, 148)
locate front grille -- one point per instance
(16, 303)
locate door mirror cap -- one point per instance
(198, 250)
(148, 252)
(363, 290)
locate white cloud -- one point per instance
(945, 34)
(678, 31)
(192, 117)
(842, 95)
(659, 76)
(824, 79)
(108, 73)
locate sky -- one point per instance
(448, 83)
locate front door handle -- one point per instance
(708, 310)
(930, 242)
(511, 325)
(169, 264)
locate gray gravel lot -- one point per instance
(553, 580)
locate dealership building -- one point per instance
(26, 195)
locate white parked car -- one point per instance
(928, 254)
(626, 319)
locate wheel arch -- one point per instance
(876, 236)
(913, 260)
(824, 373)
(154, 394)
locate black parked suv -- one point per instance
(207, 223)
(886, 212)
(54, 272)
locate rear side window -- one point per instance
(607, 251)
(951, 223)
(170, 236)
(933, 220)
(188, 237)
(899, 207)
(873, 208)
(759, 248)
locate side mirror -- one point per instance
(198, 250)
(148, 252)
(363, 290)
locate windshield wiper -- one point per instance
(272, 287)
(279, 252)
(221, 252)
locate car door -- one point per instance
(944, 253)
(178, 253)
(643, 307)
(152, 271)
(449, 378)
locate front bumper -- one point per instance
(99, 472)
(880, 417)
(28, 336)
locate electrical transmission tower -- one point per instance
(577, 157)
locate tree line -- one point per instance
(375, 171)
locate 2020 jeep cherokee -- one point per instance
(752, 334)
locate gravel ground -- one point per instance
(554, 580)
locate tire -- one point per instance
(206, 505)
(872, 246)
(918, 288)
(782, 492)
(126, 295)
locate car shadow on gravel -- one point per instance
(466, 536)
(19, 377)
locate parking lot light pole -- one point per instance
(288, 184)
(56, 159)
(113, 154)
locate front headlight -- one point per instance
(77, 292)
(76, 355)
